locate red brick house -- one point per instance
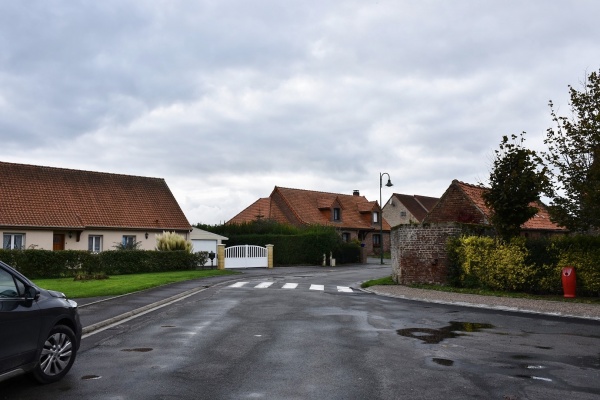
(353, 215)
(57, 209)
(407, 209)
(463, 202)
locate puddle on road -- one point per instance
(443, 361)
(435, 336)
(140, 349)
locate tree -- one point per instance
(574, 155)
(517, 179)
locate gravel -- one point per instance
(554, 308)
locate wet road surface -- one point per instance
(229, 342)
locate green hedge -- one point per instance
(37, 264)
(303, 249)
(532, 265)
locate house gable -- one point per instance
(463, 202)
(405, 209)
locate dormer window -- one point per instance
(337, 214)
(375, 217)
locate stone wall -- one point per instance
(419, 252)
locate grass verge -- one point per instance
(483, 292)
(123, 284)
(381, 281)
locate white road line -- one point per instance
(345, 289)
(238, 284)
(317, 287)
(290, 286)
(263, 285)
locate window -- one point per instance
(7, 286)
(346, 237)
(376, 240)
(13, 241)
(336, 214)
(95, 243)
(129, 242)
(403, 213)
(375, 217)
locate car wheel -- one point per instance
(57, 355)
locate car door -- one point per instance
(20, 323)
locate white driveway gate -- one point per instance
(246, 256)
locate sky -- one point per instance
(226, 99)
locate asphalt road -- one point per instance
(279, 342)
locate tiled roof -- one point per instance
(260, 209)
(417, 205)
(427, 202)
(305, 204)
(540, 221)
(312, 207)
(35, 196)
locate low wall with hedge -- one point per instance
(37, 264)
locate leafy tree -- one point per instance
(517, 179)
(574, 153)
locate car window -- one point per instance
(8, 288)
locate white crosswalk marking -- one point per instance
(290, 286)
(263, 285)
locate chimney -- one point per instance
(356, 192)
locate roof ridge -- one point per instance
(41, 167)
(322, 192)
(469, 184)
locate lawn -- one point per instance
(122, 284)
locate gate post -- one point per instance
(269, 255)
(220, 256)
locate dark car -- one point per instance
(40, 331)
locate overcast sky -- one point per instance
(226, 99)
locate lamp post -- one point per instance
(388, 184)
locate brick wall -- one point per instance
(455, 207)
(419, 252)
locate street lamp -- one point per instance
(388, 184)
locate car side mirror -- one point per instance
(31, 293)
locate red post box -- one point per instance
(568, 281)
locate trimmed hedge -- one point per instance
(37, 264)
(526, 265)
(303, 249)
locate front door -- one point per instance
(58, 242)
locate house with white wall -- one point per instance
(66, 209)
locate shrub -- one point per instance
(532, 265)
(493, 264)
(171, 241)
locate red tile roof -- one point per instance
(36, 196)
(299, 206)
(260, 209)
(540, 221)
(417, 205)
